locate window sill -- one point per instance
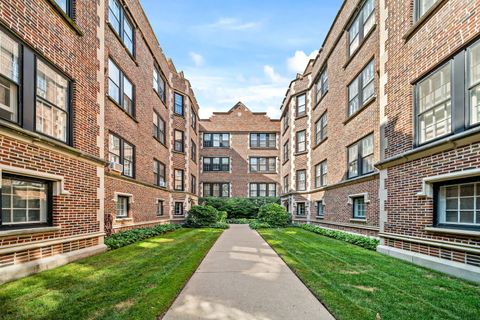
(179, 152)
(300, 153)
(464, 232)
(360, 46)
(301, 116)
(320, 143)
(362, 220)
(263, 148)
(319, 217)
(179, 115)
(123, 219)
(423, 19)
(131, 55)
(121, 108)
(65, 17)
(160, 97)
(5, 233)
(163, 144)
(356, 113)
(320, 101)
(285, 130)
(284, 162)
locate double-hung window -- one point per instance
(301, 209)
(158, 127)
(421, 7)
(286, 152)
(159, 174)
(286, 120)
(320, 209)
(25, 202)
(321, 86)
(179, 184)
(301, 144)
(193, 151)
(120, 89)
(216, 140)
(359, 207)
(179, 104)
(321, 129)
(216, 189)
(263, 164)
(361, 26)
(458, 204)
(121, 24)
(263, 140)
(360, 157)
(263, 190)
(66, 6)
(159, 83)
(301, 104)
(122, 152)
(159, 209)
(193, 116)
(179, 143)
(321, 174)
(122, 207)
(193, 184)
(9, 77)
(178, 209)
(216, 164)
(301, 180)
(286, 186)
(361, 89)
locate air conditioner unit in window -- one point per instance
(115, 167)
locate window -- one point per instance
(458, 204)
(52, 106)
(179, 144)
(360, 27)
(178, 209)
(121, 152)
(216, 140)
(25, 201)
(158, 128)
(120, 89)
(321, 87)
(179, 106)
(263, 190)
(159, 174)
(9, 77)
(263, 140)
(301, 102)
(360, 157)
(358, 207)
(263, 164)
(216, 164)
(320, 208)
(159, 208)
(286, 186)
(286, 152)
(66, 6)
(121, 24)
(179, 180)
(193, 151)
(301, 180)
(458, 80)
(422, 6)
(321, 129)
(159, 83)
(193, 115)
(321, 174)
(193, 184)
(301, 142)
(361, 89)
(122, 206)
(221, 189)
(301, 208)
(286, 120)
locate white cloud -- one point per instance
(299, 61)
(233, 24)
(197, 59)
(272, 75)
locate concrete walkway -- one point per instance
(242, 278)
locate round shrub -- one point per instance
(274, 214)
(202, 216)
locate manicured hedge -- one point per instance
(274, 214)
(239, 220)
(259, 225)
(238, 207)
(124, 238)
(365, 242)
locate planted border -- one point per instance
(121, 239)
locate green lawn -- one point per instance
(355, 283)
(139, 281)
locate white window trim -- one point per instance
(358, 195)
(58, 180)
(427, 182)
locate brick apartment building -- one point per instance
(330, 127)
(239, 154)
(150, 126)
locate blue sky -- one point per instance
(240, 50)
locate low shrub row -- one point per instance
(259, 225)
(124, 238)
(240, 220)
(238, 207)
(365, 242)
